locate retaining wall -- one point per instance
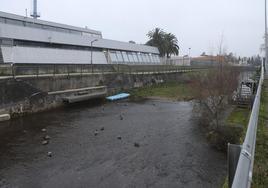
(31, 94)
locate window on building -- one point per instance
(8, 42)
(2, 20)
(145, 59)
(148, 58)
(14, 22)
(130, 57)
(119, 57)
(140, 57)
(75, 32)
(126, 60)
(154, 58)
(136, 60)
(113, 57)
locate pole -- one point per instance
(190, 55)
(91, 53)
(266, 39)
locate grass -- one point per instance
(170, 90)
(239, 116)
(260, 173)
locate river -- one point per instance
(170, 150)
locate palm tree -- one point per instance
(167, 43)
(156, 37)
(172, 46)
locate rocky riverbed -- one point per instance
(155, 143)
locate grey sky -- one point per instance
(198, 24)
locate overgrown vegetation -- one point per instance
(213, 92)
(260, 174)
(171, 90)
(232, 131)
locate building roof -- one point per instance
(43, 22)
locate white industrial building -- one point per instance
(28, 40)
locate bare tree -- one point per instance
(213, 91)
(214, 88)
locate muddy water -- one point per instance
(171, 152)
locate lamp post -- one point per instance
(91, 56)
(190, 55)
(266, 39)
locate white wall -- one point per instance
(7, 53)
(180, 61)
(40, 35)
(17, 54)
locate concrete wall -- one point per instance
(30, 95)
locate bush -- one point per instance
(220, 137)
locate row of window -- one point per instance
(46, 27)
(117, 57)
(46, 45)
(133, 57)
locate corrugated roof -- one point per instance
(43, 22)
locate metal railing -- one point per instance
(37, 70)
(244, 170)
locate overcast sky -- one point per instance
(198, 24)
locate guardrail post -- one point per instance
(12, 70)
(54, 70)
(37, 71)
(233, 157)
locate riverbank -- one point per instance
(239, 117)
(29, 95)
(176, 91)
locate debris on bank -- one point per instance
(49, 154)
(45, 142)
(137, 145)
(96, 132)
(4, 117)
(118, 97)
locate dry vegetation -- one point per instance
(213, 92)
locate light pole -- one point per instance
(91, 55)
(266, 39)
(189, 55)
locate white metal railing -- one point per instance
(244, 170)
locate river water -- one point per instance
(171, 150)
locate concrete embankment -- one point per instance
(30, 94)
